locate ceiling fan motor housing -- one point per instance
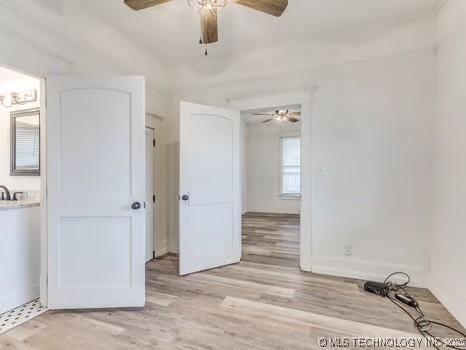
(203, 6)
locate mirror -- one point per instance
(25, 143)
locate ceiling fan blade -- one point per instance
(268, 114)
(143, 4)
(294, 113)
(293, 120)
(209, 26)
(271, 7)
(267, 120)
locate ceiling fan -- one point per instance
(281, 115)
(208, 10)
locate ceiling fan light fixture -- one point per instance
(206, 6)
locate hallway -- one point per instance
(271, 239)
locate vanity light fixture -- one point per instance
(18, 98)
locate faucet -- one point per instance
(7, 192)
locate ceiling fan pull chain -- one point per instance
(201, 42)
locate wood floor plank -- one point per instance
(263, 303)
(342, 326)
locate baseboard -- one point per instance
(452, 297)
(367, 270)
(175, 251)
(161, 249)
(9, 302)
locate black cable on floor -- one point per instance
(422, 324)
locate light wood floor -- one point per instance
(264, 302)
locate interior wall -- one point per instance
(263, 168)
(15, 82)
(449, 238)
(326, 56)
(372, 170)
(387, 64)
(31, 44)
(371, 157)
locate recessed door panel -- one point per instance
(87, 240)
(210, 159)
(88, 144)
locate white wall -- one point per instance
(372, 170)
(72, 40)
(370, 121)
(262, 72)
(372, 136)
(263, 168)
(449, 237)
(14, 82)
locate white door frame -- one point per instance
(305, 99)
(149, 198)
(154, 121)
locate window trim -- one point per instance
(282, 195)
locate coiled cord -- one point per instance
(423, 324)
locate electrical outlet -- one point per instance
(348, 249)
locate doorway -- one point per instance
(271, 185)
(211, 153)
(20, 197)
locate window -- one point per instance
(291, 166)
(27, 147)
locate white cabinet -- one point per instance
(19, 256)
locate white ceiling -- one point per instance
(161, 43)
(171, 31)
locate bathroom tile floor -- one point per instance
(20, 315)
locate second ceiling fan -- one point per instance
(281, 115)
(208, 10)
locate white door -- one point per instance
(150, 140)
(210, 219)
(95, 184)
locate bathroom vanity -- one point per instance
(19, 253)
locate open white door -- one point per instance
(95, 183)
(210, 218)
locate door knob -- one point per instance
(136, 206)
(185, 197)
